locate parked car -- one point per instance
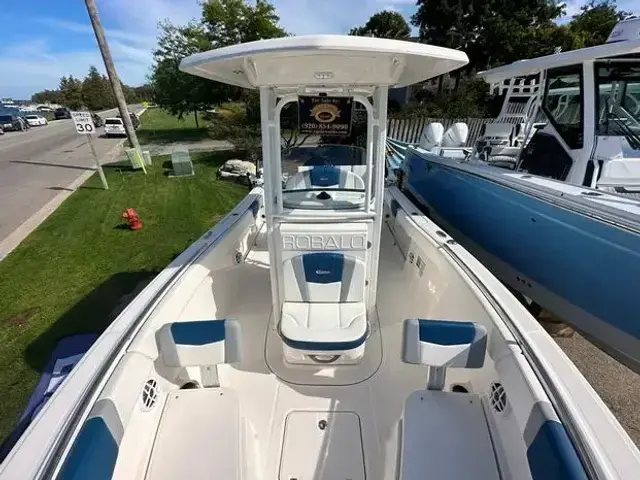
(1, 131)
(97, 120)
(61, 113)
(35, 120)
(44, 108)
(13, 123)
(114, 127)
(135, 120)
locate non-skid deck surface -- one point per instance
(265, 400)
(442, 428)
(198, 437)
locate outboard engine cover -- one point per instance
(431, 136)
(456, 135)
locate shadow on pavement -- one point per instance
(46, 164)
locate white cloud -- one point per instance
(142, 16)
(131, 29)
(303, 17)
(572, 7)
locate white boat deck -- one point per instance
(281, 419)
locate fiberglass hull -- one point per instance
(581, 268)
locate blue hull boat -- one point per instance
(581, 267)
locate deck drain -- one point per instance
(149, 395)
(498, 397)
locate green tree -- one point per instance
(490, 31)
(144, 92)
(96, 91)
(595, 22)
(385, 24)
(176, 91)
(71, 92)
(229, 22)
(47, 96)
(239, 126)
(130, 94)
(223, 23)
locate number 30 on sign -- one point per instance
(83, 122)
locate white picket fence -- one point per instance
(409, 129)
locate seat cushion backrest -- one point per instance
(95, 450)
(199, 343)
(499, 131)
(444, 343)
(325, 176)
(550, 453)
(359, 170)
(327, 277)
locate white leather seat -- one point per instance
(345, 189)
(324, 309)
(360, 170)
(326, 176)
(458, 418)
(324, 326)
(201, 343)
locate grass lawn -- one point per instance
(69, 275)
(159, 126)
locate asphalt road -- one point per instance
(37, 164)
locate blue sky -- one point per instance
(43, 40)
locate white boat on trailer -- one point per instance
(324, 329)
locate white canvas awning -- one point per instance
(355, 63)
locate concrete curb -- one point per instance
(23, 231)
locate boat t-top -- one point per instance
(324, 329)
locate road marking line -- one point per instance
(23, 231)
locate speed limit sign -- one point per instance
(83, 122)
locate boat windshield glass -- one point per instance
(619, 99)
(563, 103)
(323, 172)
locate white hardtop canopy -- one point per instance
(354, 63)
(624, 40)
(284, 69)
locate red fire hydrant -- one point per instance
(132, 218)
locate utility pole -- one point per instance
(113, 75)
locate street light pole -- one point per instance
(113, 75)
